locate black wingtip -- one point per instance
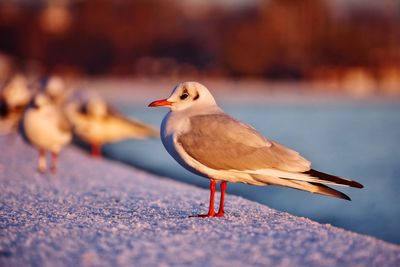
(346, 197)
(327, 191)
(341, 195)
(333, 178)
(357, 185)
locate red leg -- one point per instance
(96, 150)
(211, 211)
(213, 186)
(42, 161)
(54, 161)
(221, 202)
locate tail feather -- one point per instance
(332, 178)
(326, 190)
(311, 176)
(320, 189)
(300, 185)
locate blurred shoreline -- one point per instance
(139, 90)
(345, 45)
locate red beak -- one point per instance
(160, 103)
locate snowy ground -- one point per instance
(101, 213)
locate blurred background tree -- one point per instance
(273, 39)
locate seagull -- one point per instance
(55, 88)
(16, 93)
(14, 97)
(96, 123)
(205, 140)
(45, 127)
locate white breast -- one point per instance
(41, 128)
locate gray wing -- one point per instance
(221, 142)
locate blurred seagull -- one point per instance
(208, 142)
(16, 93)
(96, 123)
(45, 127)
(14, 97)
(54, 87)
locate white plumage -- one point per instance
(45, 127)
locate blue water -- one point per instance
(351, 139)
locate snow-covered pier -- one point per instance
(102, 213)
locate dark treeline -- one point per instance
(276, 39)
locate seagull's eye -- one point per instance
(184, 96)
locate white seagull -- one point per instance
(16, 93)
(14, 97)
(45, 127)
(96, 123)
(208, 142)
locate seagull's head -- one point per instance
(96, 107)
(16, 92)
(186, 95)
(55, 87)
(40, 101)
